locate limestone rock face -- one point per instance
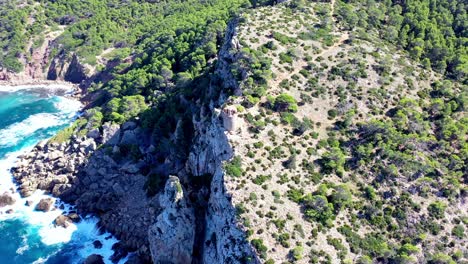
(228, 54)
(65, 67)
(164, 228)
(172, 236)
(110, 134)
(224, 241)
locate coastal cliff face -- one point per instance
(218, 238)
(184, 222)
(225, 241)
(91, 179)
(48, 62)
(172, 235)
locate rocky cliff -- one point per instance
(96, 182)
(218, 239)
(191, 220)
(48, 62)
(224, 241)
(172, 235)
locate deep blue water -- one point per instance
(28, 236)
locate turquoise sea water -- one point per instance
(28, 236)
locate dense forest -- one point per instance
(433, 32)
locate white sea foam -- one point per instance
(24, 246)
(89, 233)
(51, 87)
(49, 234)
(14, 133)
(40, 261)
(67, 106)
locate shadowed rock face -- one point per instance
(75, 72)
(171, 237)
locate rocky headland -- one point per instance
(191, 220)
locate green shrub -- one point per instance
(259, 246)
(297, 253)
(437, 209)
(285, 103)
(441, 258)
(234, 168)
(458, 231)
(318, 208)
(154, 183)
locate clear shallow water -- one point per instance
(28, 236)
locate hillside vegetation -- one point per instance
(347, 148)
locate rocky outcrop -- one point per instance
(184, 223)
(229, 54)
(6, 199)
(41, 64)
(45, 205)
(62, 221)
(52, 167)
(97, 244)
(224, 241)
(172, 235)
(91, 179)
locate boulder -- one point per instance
(74, 217)
(59, 189)
(94, 259)
(97, 244)
(129, 137)
(54, 155)
(41, 145)
(6, 199)
(29, 203)
(62, 221)
(95, 134)
(45, 205)
(88, 146)
(120, 252)
(110, 133)
(26, 192)
(9, 211)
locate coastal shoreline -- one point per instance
(35, 82)
(67, 89)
